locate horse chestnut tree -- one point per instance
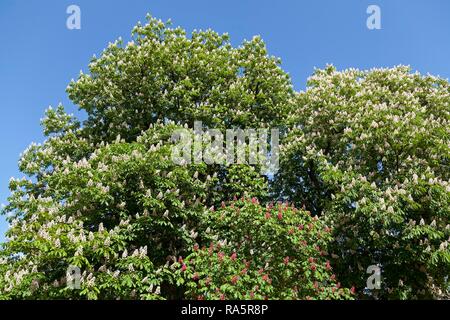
(364, 154)
(261, 252)
(369, 151)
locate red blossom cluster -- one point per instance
(250, 269)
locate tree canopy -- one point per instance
(370, 152)
(364, 180)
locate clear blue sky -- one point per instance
(39, 55)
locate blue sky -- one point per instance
(39, 55)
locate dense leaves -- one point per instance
(104, 195)
(163, 74)
(273, 251)
(365, 154)
(370, 151)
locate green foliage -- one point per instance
(258, 252)
(164, 74)
(370, 152)
(105, 195)
(366, 152)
